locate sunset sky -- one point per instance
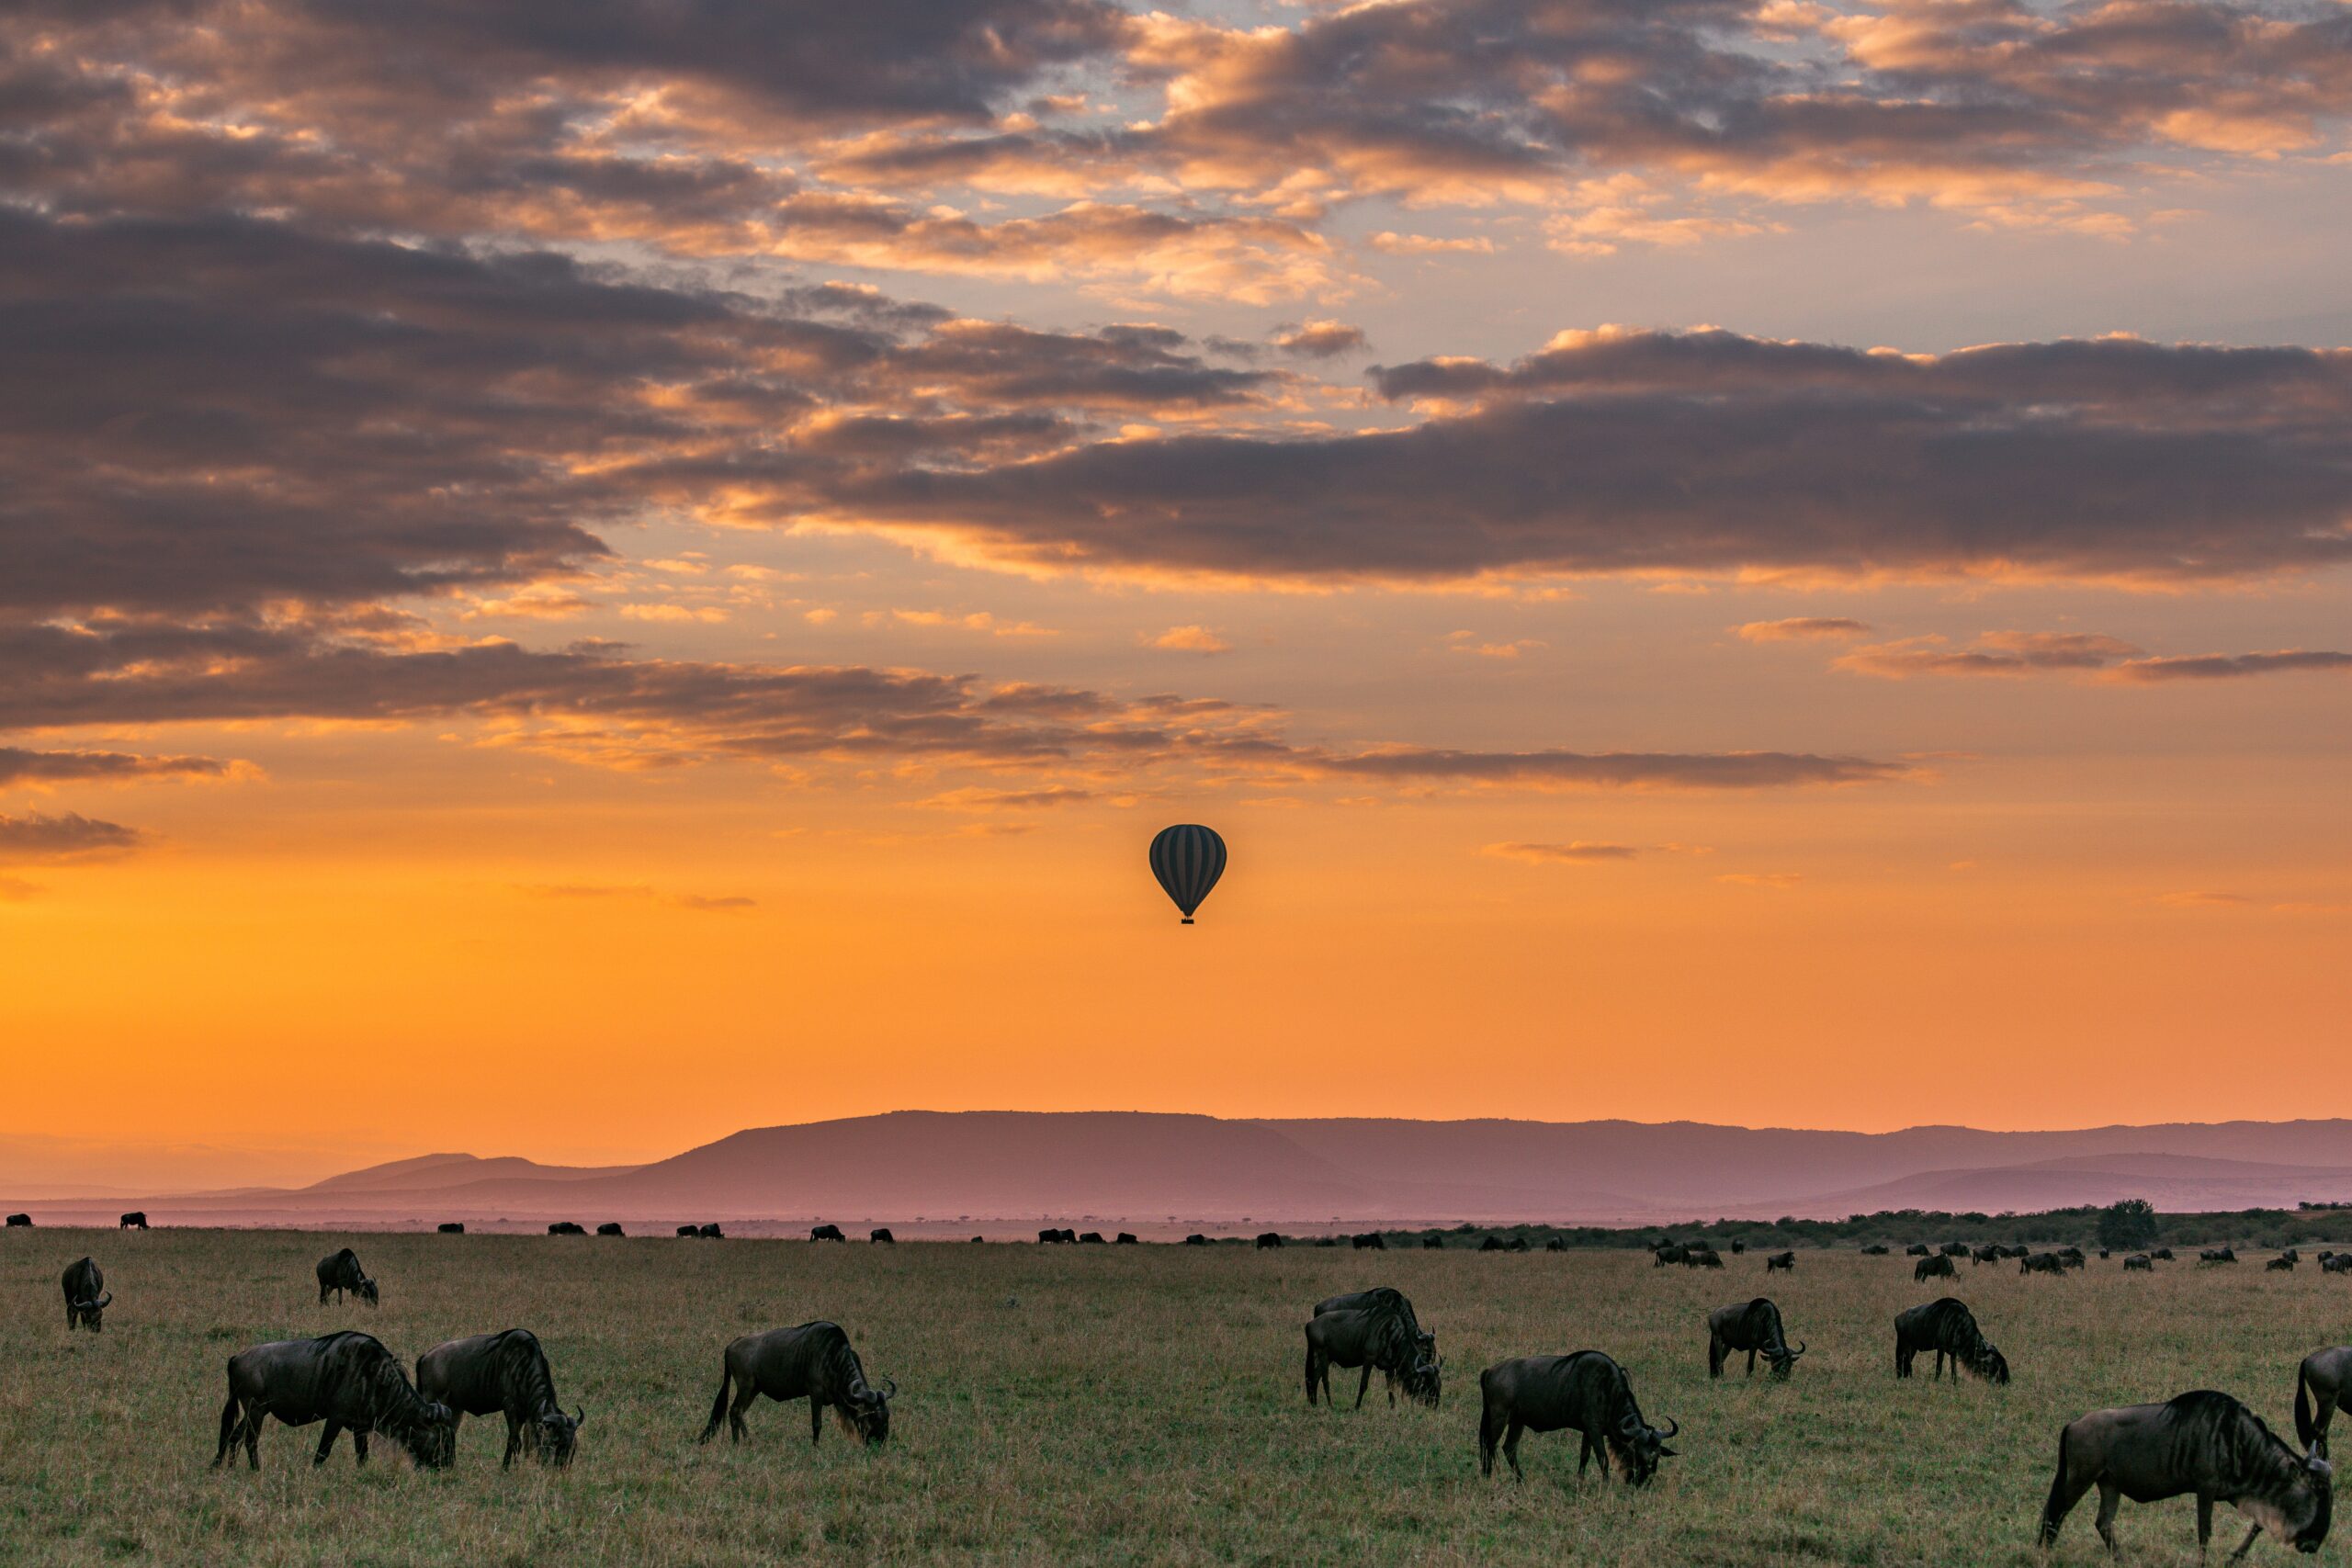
(573, 578)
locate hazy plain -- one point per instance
(1097, 1405)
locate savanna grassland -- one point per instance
(1097, 1405)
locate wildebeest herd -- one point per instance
(2202, 1444)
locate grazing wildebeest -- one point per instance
(2138, 1261)
(1948, 1328)
(346, 1380)
(1931, 1267)
(1987, 1255)
(1753, 1326)
(826, 1232)
(813, 1362)
(1368, 1241)
(2019, 1251)
(1955, 1249)
(2280, 1266)
(1268, 1238)
(2217, 1255)
(340, 1271)
(1126, 1238)
(451, 1227)
(881, 1235)
(85, 1296)
(1521, 1244)
(1376, 1330)
(134, 1221)
(2290, 1254)
(1197, 1239)
(567, 1227)
(2204, 1443)
(611, 1227)
(1432, 1244)
(1555, 1244)
(1876, 1249)
(2339, 1263)
(1917, 1249)
(1780, 1262)
(689, 1230)
(1090, 1238)
(1738, 1246)
(1586, 1392)
(2042, 1263)
(2161, 1255)
(505, 1372)
(1703, 1257)
(1672, 1252)
(710, 1232)
(2322, 1384)
(979, 1240)
(20, 1222)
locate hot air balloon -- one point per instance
(1188, 859)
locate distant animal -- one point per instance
(451, 1227)
(710, 1232)
(1521, 1244)
(881, 1235)
(2106, 1252)
(1197, 1239)
(1090, 1238)
(1432, 1244)
(1780, 1262)
(2042, 1263)
(2280, 1266)
(1955, 1249)
(2339, 1263)
(2204, 1443)
(567, 1227)
(86, 1296)
(2217, 1255)
(340, 1271)
(1585, 1393)
(2323, 1386)
(1917, 1249)
(1555, 1244)
(2139, 1262)
(2161, 1255)
(1703, 1257)
(1126, 1238)
(813, 1362)
(1753, 1326)
(1377, 1331)
(1987, 1255)
(348, 1381)
(826, 1232)
(979, 1241)
(2323, 1257)
(1948, 1328)
(507, 1373)
(20, 1222)
(134, 1221)
(2019, 1251)
(1931, 1267)
(1268, 1238)
(1875, 1249)
(1672, 1252)
(2290, 1254)
(1738, 1246)
(611, 1227)
(689, 1230)
(1368, 1241)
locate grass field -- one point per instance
(1097, 1405)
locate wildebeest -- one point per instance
(2019, 1251)
(2071, 1257)
(2161, 1255)
(2138, 1261)
(1704, 1257)
(881, 1235)
(2339, 1263)
(1987, 1254)
(86, 1295)
(2280, 1266)
(813, 1362)
(1197, 1239)
(1268, 1238)
(1780, 1262)
(611, 1227)
(1875, 1249)
(505, 1372)
(2323, 1385)
(1521, 1244)
(346, 1380)
(1917, 1249)
(1586, 1392)
(20, 1222)
(567, 1227)
(1753, 1326)
(1738, 1246)
(826, 1232)
(1948, 1328)
(1126, 1238)
(2042, 1263)
(2202, 1442)
(689, 1230)
(1368, 1241)
(710, 1232)
(340, 1271)
(2217, 1255)
(1056, 1238)
(1377, 1331)
(2290, 1254)
(1933, 1266)
(1432, 1244)
(1672, 1252)
(1555, 1244)
(1955, 1249)
(451, 1227)
(1091, 1238)
(134, 1221)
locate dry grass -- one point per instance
(1110, 1404)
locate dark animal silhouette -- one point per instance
(1268, 1238)
(2138, 1261)
(1948, 1328)
(611, 1227)
(451, 1227)
(2042, 1263)
(1780, 1262)
(1368, 1241)
(1875, 1249)
(881, 1235)
(1585, 1393)
(340, 1271)
(2321, 1385)
(567, 1227)
(1432, 1244)
(1932, 1267)
(2202, 1443)
(20, 1222)
(1955, 1249)
(2161, 1255)
(2217, 1255)
(1377, 1338)
(346, 1380)
(1197, 1239)
(826, 1232)
(813, 1362)
(710, 1232)
(689, 1230)
(1090, 1238)
(1917, 1249)
(86, 1296)
(1737, 1247)
(506, 1373)
(2280, 1266)
(1126, 1238)
(1753, 1326)
(134, 1221)
(1987, 1255)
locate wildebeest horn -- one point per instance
(579, 1417)
(1798, 1351)
(106, 1299)
(892, 1392)
(1672, 1426)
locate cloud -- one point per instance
(971, 799)
(71, 836)
(701, 903)
(1579, 852)
(20, 766)
(1774, 880)
(1995, 654)
(2202, 899)
(2230, 666)
(1319, 340)
(1188, 639)
(1803, 628)
(1618, 770)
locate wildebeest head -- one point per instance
(1989, 1363)
(367, 1292)
(1639, 1446)
(93, 1313)
(432, 1441)
(1424, 1374)
(555, 1435)
(868, 1415)
(2298, 1512)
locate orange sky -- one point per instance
(701, 635)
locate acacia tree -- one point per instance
(2128, 1224)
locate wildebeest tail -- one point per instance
(1310, 1370)
(2306, 1427)
(718, 1406)
(2052, 1509)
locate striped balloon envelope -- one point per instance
(1187, 859)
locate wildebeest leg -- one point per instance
(253, 1413)
(816, 1418)
(326, 1442)
(2245, 1543)
(2111, 1496)
(1751, 1363)
(1716, 1352)
(1364, 1386)
(2064, 1492)
(2204, 1524)
(1939, 1365)
(1510, 1449)
(1584, 1455)
(1311, 1373)
(231, 1416)
(1489, 1430)
(513, 1441)
(359, 1444)
(737, 1428)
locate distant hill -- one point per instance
(1024, 1166)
